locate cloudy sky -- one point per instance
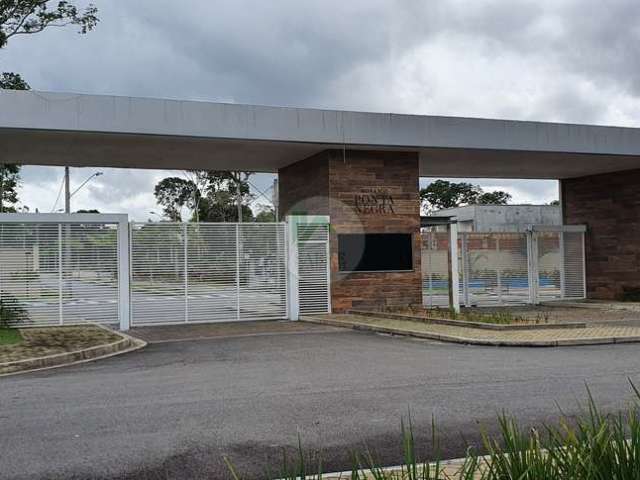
(549, 60)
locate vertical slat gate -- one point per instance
(60, 272)
(435, 279)
(503, 268)
(314, 294)
(208, 272)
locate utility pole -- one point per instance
(67, 191)
(239, 197)
(1, 186)
(275, 199)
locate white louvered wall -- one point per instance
(313, 268)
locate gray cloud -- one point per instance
(553, 60)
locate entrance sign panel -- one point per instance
(375, 252)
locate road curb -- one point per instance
(125, 344)
(471, 341)
(470, 324)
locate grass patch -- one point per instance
(499, 318)
(45, 341)
(10, 336)
(590, 446)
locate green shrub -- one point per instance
(11, 313)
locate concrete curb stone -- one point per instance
(465, 323)
(471, 341)
(125, 344)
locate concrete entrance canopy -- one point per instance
(95, 130)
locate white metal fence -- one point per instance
(60, 271)
(539, 265)
(67, 269)
(207, 272)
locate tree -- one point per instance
(13, 81)
(9, 182)
(173, 193)
(9, 173)
(210, 195)
(266, 214)
(497, 197)
(442, 194)
(25, 17)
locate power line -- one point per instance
(58, 197)
(263, 193)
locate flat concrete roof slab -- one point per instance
(90, 130)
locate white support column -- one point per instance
(531, 280)
(124, 273)
(292, 271)
(562, 266)
(238, 252)
(185, 237)
(455, 280)
(60, 277)
(532, 254)
(499, 270)
(584, 265)
(466, 297)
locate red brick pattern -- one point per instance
(609, 204)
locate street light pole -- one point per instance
(67, 188)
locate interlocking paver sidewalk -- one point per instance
(569, 336)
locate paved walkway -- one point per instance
(182, 332)
(535, 338)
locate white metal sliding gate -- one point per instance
(63, 269)
(542, 264)
(207, 272)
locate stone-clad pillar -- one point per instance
(609, 204)
(362, 192)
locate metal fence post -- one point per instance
(238, 271)
(531, 280)
(455, 274)
(185, 237)
(465, 269)
(292, 273)
(499, 270)
(124, 274)
(562, 266)
(60, 278)
(584, 265)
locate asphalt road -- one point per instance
(172, 410)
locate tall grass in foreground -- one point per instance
(591, 446)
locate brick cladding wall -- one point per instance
(609, 204)
(303, 187)
(349, 174)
